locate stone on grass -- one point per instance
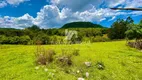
(100, 66)
(78, 71)
(88, 64)
(87, 74)
(80, 79)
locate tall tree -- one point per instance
(134, 31)
(118, 29)
(129, 20)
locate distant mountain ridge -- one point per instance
(81, 25)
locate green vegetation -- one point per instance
(82, 25)
(33, 34)
(118, 28)
(134, 31)
(109, 61)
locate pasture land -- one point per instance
(17, 62)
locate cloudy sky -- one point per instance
(55, 13)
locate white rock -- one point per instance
(80, 79)
(78, 71)
(87, 74)
(100, 66)
(88, 64)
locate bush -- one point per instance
(100, 39)
(14, 40)
(65, 59)
(137, 44)
(42, 38)
(24, 40)
(56, 39)
(4, 39)
(44, 57)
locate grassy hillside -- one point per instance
(120, 61)
(81, 25)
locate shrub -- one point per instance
(100, 39)
(137, 44)
(24, 40)
(4, 39)
(14, 40)
(44, 57)
(65, 59)
(43, 38)
(49, 55)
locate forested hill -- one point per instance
(82, 25)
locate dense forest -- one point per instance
(120, 29)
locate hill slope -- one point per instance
(81, 25)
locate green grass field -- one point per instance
(17, 62)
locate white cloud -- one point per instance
(102, 19)
(24, 21)
(3, 4)
(60, 12)
(133, 3)
(124, 3)
(48, 16)
(15, 2)
(114, 3)
(76, 5)
(7, 22)
(11, 2)
(112, 18)
(13, 22)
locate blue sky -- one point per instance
(55, 13)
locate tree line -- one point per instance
(34, 34)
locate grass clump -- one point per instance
(65, 59)
(100, 65)
(44, 57)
